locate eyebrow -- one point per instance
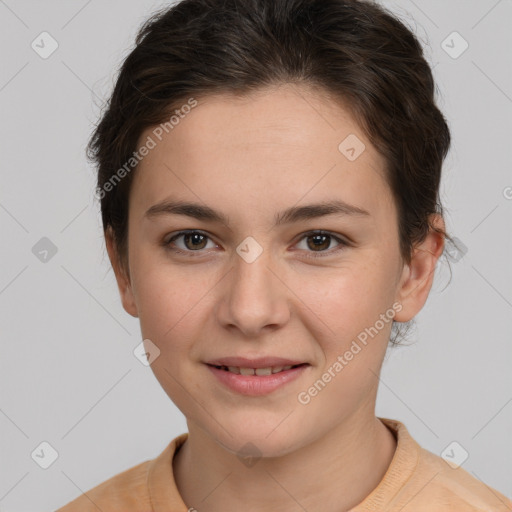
(288, 216)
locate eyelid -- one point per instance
(179, 234)
(342, 242)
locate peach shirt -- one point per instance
(415, 481)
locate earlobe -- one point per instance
(418, 276)
(123, 279)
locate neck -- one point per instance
(334, 473)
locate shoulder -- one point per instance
(147, 487)
(418, 480)
(124, 492)
(454, 487)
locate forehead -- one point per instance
(274, 146)
(286, 116)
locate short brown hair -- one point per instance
(354, 50)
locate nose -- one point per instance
(254, 298)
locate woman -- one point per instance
(269, 175)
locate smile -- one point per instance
(256, 371)
(256, 381)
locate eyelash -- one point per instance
(313, 254)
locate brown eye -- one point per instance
(320, 242)
(192, 241)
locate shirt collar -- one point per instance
(164, 494)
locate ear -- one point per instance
(122, 275)
(418, 276)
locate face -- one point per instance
(255, 282)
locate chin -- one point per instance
(256, 439)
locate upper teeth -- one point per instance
(256, 371)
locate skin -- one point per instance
(251, 157)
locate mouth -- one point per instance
(270, 370)
(263, 380)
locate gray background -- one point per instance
(67, 369)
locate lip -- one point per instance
(260, 362)
(255, 385)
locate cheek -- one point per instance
(344, 316)
(348, 299)
(171, 308)
(169, 301)
(344, 311)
